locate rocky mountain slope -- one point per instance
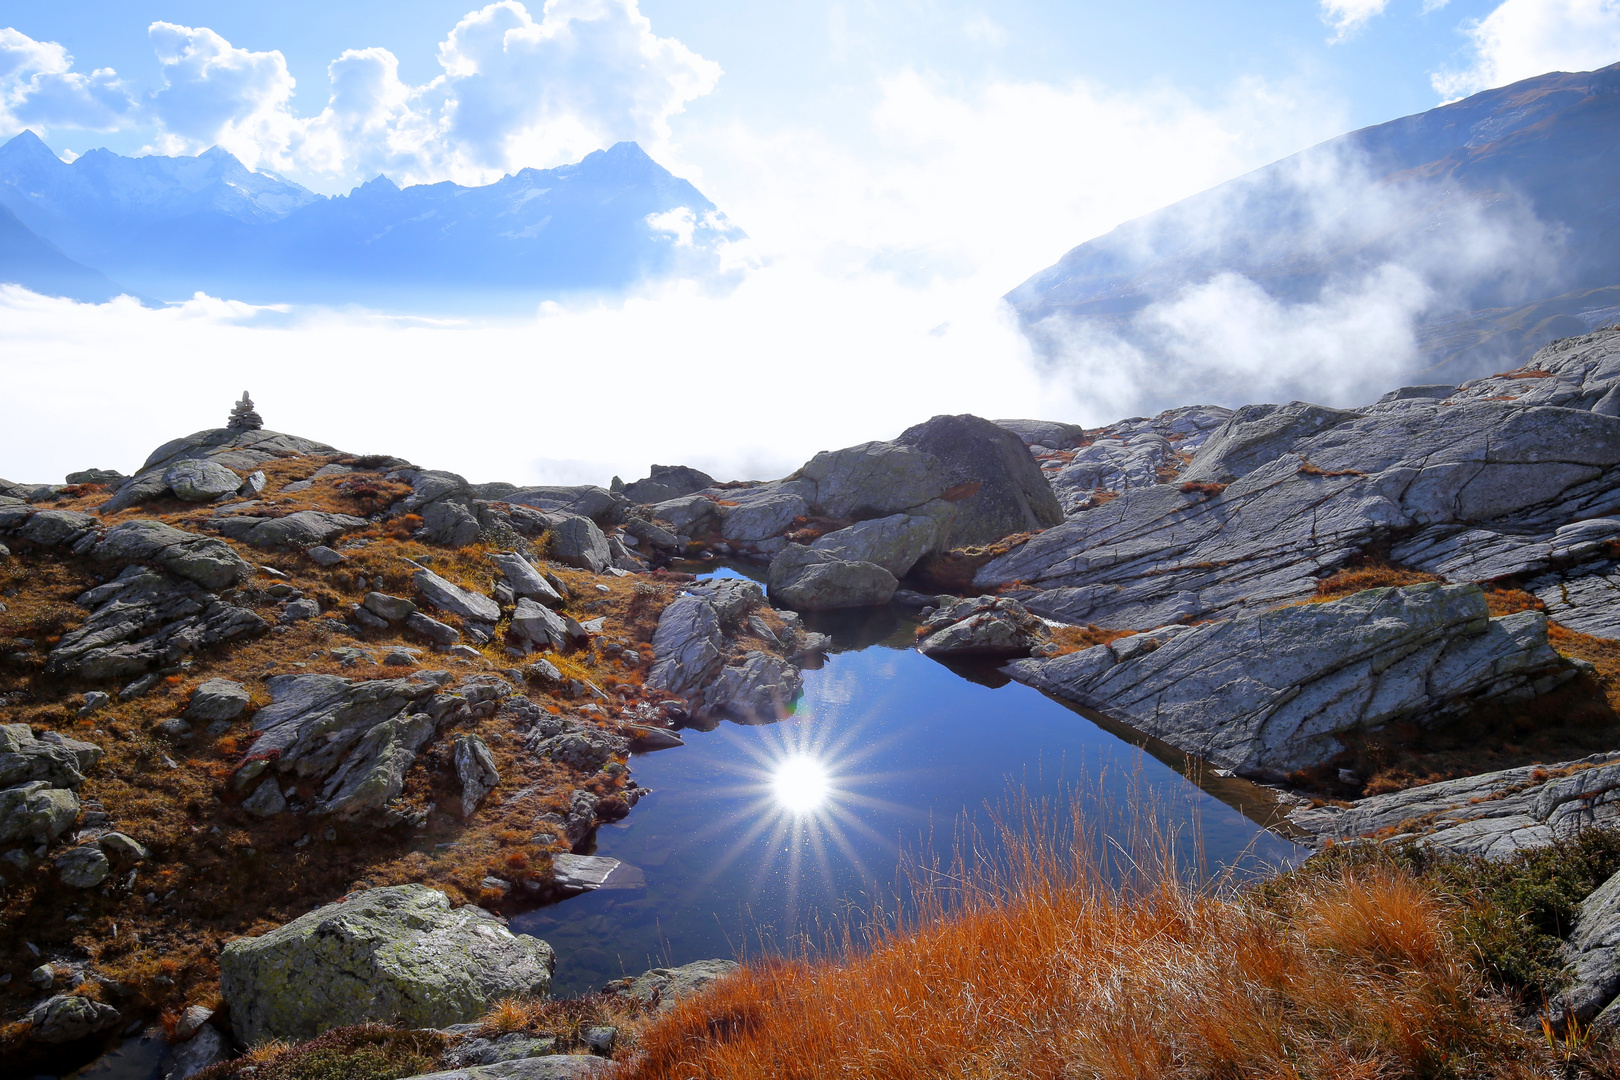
(287, 728)
(1440, 178)
(170, 226)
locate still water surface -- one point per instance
(755, 835)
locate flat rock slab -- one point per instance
(1492, 815)
(549, 1067)
(396, 954)
(1266, 694)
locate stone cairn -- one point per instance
(243, 418)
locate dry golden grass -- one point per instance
(1045, 971)
(1370, 576)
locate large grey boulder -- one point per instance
(1011, 494)
(686, 647)
(805, 579)
(576, 541)
(217, 699)
(83, 867)
(539, 625)
(453, 598)
(51, 528)
(689, 514)
(393, 955)
(1492, 815)
(301, 529)
(765, 512)
(876, 479)
(733, 598)
(895, 542)
(448, 523)
(597, 503)
(202, 559)
(200, 481)
(1269, 693)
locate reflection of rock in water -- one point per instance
(982, 670)
(857, 628)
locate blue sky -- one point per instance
(897, 167)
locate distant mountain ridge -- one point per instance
(170, 227)
(1549, 144)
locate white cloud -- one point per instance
(215, 94)
(1348, 16)
(39, 89)
(1525, 38)
(515, 92)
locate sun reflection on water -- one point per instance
(800, 784)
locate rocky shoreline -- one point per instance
(287, 729)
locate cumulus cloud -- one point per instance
(1348, 16)
(39, 89)
(1524, 38)
(514, 92)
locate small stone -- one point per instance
(325, 556)
(466, 652)
(174, 729)
(217, 699)
(94, 701)
(601, 1040)
(432, 629)
(543, 672)
(43, 976)
(299, 610)
(399, 658)
(83, 867)
(252, 485)
(123, 847)
(140, 686)
(266, 800)
(192, 1021)
(392, 608)
(217, 728)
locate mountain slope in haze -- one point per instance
(29, 260)
(173, 226)
(1505, 203)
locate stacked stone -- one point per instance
(243, 418)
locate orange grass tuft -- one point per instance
(1048, 971)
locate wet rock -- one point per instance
(1012, 496)
(202, 559)
(686, 647)
(805, 579)
(760, 690)
(524, 579)
(204, 1048)
(475, 770)
(36, 812)
(67, 1018)
(576, 541)
(454, 599)
(217, 699)
(1492, 815)
(1266, 694)
(83, 867)
(982, 626)
(200, 481)
(397, 954)
(663, 987)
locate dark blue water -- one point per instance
(737, 863)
